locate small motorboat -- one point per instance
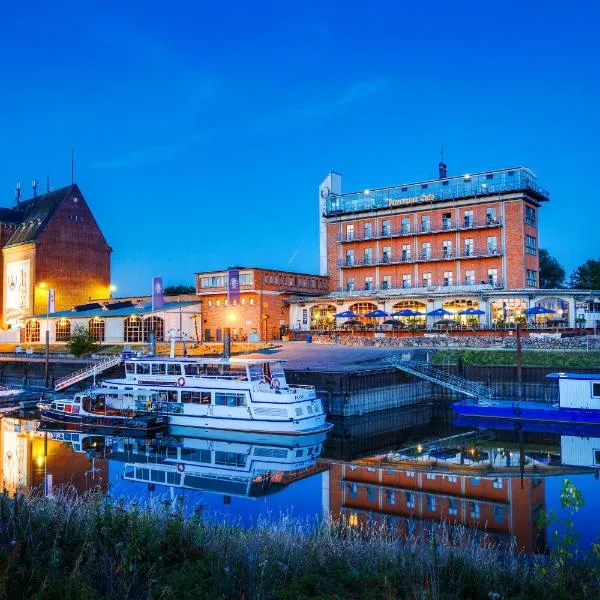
(91, 410)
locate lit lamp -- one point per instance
(231, 317)
(112, 288)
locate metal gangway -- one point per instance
(89, 371)
(436, 375)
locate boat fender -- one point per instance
(181, 381)
(276, 383)
(181, 467)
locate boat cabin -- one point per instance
(578, 390)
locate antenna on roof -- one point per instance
(48, 188)
(34, 185)
(72, 166)
(18, 192)
(443, 167)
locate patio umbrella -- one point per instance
(407, 312)
(392, 322)
(539, 310)
(376, 313)
(352, 322)
(471, 311)
(347, 314)
(438, 312)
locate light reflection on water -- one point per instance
(495, 488)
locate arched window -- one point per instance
(458, 305)
(360, 308)
(508, 309)
(133, 329)
(63, 330)
(96, 327)
(410, 305)
(32, 331)
(154, 325)
(322, 316)
(558, 305)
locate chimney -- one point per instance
(18, 192)
(34, 185)
(443, 170)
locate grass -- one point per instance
(508, 358)
(85, 547)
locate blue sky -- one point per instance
(202, 130)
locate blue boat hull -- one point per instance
(587, 430)
(526, 411)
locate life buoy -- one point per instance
(276, 383)
(181, 381)
(181, 467)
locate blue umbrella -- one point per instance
(407, 312)
(438, 312)
(347, 314)
(376, 313)
(539, 310)
(471, 311)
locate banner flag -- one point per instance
(158, 297)
(51, 301)
(233, 286)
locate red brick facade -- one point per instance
(261, 309)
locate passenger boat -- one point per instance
(579, 403)
(234, 394)
(93, 410)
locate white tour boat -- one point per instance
(236, 394)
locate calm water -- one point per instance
(403, 469)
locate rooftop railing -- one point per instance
(423, 286)
(518, 179)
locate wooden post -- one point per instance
(519, 366)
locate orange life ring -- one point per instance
(181, 381)
(276, 383)
(181, 467)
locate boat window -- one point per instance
(230, 399)
(205, 397)
(76, 400)
(232, 459)
(143, 368)
(193, 369)
(173, 369)
(141, 473)
(159, 368)
(238, 371)
(130, 368)
(277, 373)
(596, 389)
(129, 471)
(256, 372)
(173, 478)
(190, 397)
(298, 411)
(195, 455)
(172, 396)
(157, 476)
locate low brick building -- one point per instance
(260, 311)
(51, 241)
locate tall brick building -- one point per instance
(261, 310)
(51, 241)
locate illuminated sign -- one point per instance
(411, 200)
(17, 289)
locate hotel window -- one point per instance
(270, 278)
(246, 278)
(63, 330)
(405, 225)
(431, 503)
(474, 481)
(410, 500)
(452, 506)
(492, 245)
(349, 232)
(385, 228)
(371, 493)
(490, 214)
(493, 276)
(431, 476)
(390, 497)
(426, 250)
(210, 302)
(452, 479)
(497, 483)
(499, 513)
(531, 278)
(368, 283)
(446, 220)
(447, 248)
(530, 245)
(596, 390)
(530, 215)
(426, 279)
(475, 510)
(469, 277)
(32, 331)
(387, 282)
(368, 230)
(352, 490)
(386, 257)
(406, 252)
(216, 281)
(217, 303)
(425, 223)
(349, 258)
(350, 284)
(447, 278)
(133, 329)
(406, 280)
(469, 247)
(368, 256)
(468, 218)
(96, 327)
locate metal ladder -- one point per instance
(90, 371)
(441, 377)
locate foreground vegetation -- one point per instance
(554, 359)
(87, 547)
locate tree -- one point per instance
(81, 341)
(176, 290)
(587, 275)
(552, 275)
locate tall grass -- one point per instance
(88, 547)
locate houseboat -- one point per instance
(96, 409)
(579, 404)
(250, 395)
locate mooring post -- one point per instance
(47, 362)
(519, 366)
(226, 342)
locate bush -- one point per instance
(81, 342)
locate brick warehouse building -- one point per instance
(51, 241)
(261, 310)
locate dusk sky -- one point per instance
(202, 129)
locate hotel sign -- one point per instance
(411, 200)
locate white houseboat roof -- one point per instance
(207, 361)
(574, 376)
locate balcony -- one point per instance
(421, 230)
(423, 287)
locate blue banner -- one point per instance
(233, 286)
(158, 297)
